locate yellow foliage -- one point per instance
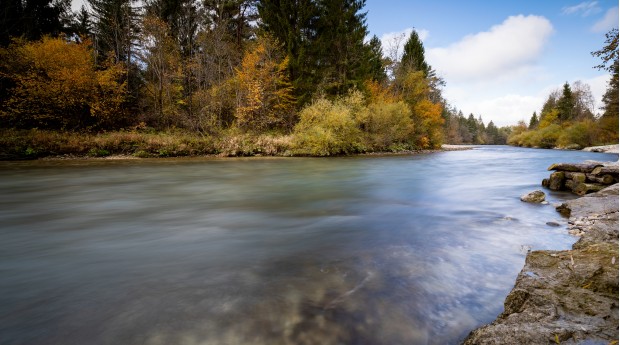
(548, 118)
(264, 94)
(57, 86)
(379, 93)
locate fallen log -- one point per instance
(585, 188)
(575, 167)
(556, 180)
(603, 179)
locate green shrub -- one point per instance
(389, 125)
(327, 128)
(579, 135)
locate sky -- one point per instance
(501, 59)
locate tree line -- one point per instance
(303, 69)
(211, 66)
(567, 118)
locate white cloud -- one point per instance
(586, 8)
(609, 21)
(503, 110)
(393, 42)
(514, 44)
(598, 86)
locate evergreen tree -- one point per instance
(115, 28)
(342, 60)
(533, 121)
(413, 55)
(294, 24)
(492, 133)
(375, 60)
(472, 126)
(82, 24)
(566, 104)
(32, 19)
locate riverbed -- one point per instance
(416, 249)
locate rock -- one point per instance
(568, 296)
(553, 224)
(536, 196)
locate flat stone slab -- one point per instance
(569, 296)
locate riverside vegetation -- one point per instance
(244, 77)
(229, 78)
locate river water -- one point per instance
(356, 250)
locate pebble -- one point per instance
(552, 224)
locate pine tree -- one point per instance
(375, 60)
(413, 55)
(342, 54)
(566, 104)
(33, 19)
(294, 24)
(114, 28)
(533, 121)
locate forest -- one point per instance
(241, 77)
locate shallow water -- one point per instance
(363, 250)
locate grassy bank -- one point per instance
(32, 144)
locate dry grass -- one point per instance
(31, 144)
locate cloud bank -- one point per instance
(514, 44)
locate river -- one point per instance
(355, 250)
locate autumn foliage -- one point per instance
(264, 94)
(55, 84)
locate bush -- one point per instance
(579, 135)
(328, 128)
(389, 125)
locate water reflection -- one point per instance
(366, 250)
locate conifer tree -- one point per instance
(566, 104)
(413, 55)
(533, 121)
(343, 55)
(375, 60)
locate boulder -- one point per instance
(537, 196)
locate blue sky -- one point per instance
(501, 59)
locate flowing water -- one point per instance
(360, 250)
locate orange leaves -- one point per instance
(56, 85)
(264, 94)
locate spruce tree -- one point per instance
(566, 104)
(533, 121)
(294, 24)
(376, 68)
(342, 54)
(115, 28)
(413, 55)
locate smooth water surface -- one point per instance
(362, 250)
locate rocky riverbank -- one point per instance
(568, 296)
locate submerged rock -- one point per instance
(537, 196)
(568, 296)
